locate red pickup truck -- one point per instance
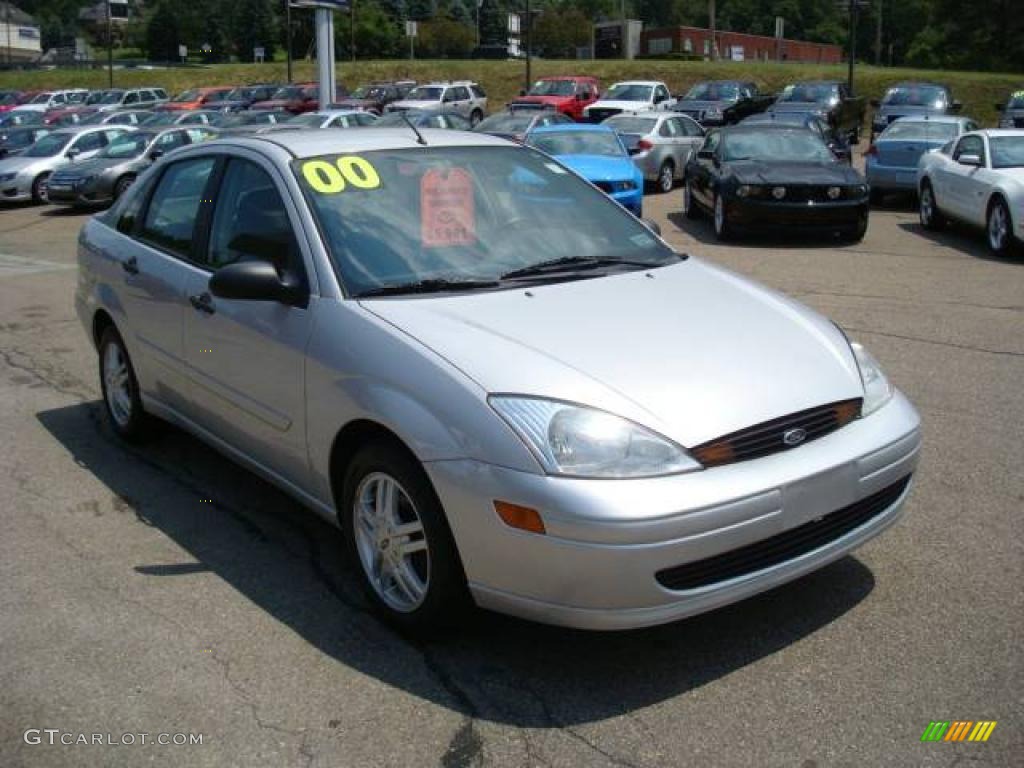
(569, 95)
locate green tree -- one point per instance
(445, 39)
(253, 26)
(377, 35)
(557, 34)
(163, 34)
(493, 23)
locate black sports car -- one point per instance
(774, 177)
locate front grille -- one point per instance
(770, 436)
(1018, 122)
(782, 547)
(808, 193)
(604, 186)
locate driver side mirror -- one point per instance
(876, 103)
(705, 154)
(156, 154)
(72, 153)
(256, 281)
(970, 159)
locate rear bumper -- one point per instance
(606, 541)
(890, 177)
(756, 214)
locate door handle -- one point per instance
(130, 265)
(203, 303)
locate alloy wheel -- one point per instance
(117, 378)
(998, 228)
(665, 177)
(391, 542)
(927, 207)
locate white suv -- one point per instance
(630, 98)
(54, 100)
(462, 96)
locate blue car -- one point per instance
(597, 154)
(891, 161)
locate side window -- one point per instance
(462, 93)
(449, 95)
(196, 135)
(667, 129)
(111, 135)
(365, 119)
(691, 127)
(711, 142)
(970, 145)
(660, 94)
(251, 222)
(90, 142)
(128, 213)
(131, 98)
(339, 122)
(478, 92)
(59, 99)
(174, 208)
(171, 140)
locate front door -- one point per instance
(246, 359)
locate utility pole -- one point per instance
(7, 13)
(529, 19)
(711, 27)
(878, 33)
(110, 47)
(288, 36)
(352, 28)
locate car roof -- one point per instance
(649, 113)
(338, 112)
(956, 119)
(819, 82)
(314, 143)
(638, 82)
(760, 127)
(912, 83)
(79, 128)
(996, 132)
(573, 127)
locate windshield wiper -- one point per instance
(573, 263)
(429, 285)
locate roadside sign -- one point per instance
(259, 54)
(183, 51)
(411, 29)
(780, 27)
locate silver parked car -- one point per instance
(25, 177)
(501, 386)
(659, 143)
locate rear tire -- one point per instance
(666, 177)
(475, 117)
(928, 208)
(399, 541)
(122, 186)
(121, 400)
(856, 233)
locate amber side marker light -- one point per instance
(523, 518)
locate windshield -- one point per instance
(218, 96)
(311, 119)
(10, 98)
(394, 217)
(1007, 151)
(246, 118)
(916, 96)
(128, 145)
(425, 93)
(191, 95)
(713, 92)
(553, 88)
(603, 143)
(42, 98)
(629, 124)
(96, 97)
(628, 92)
(16, 139)
(810, 93)
(162, 118)
(369, 92)
(1016, 101)
(920, 130)
(783, 146)
(112, 97)
(239, 94)
(505, 123)
(49, 145)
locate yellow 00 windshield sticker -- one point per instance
(330, 178)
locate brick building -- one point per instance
(736, 45)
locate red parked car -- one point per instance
(569, 95)
(66, 115)
(11, 99)
(196, 98)
(297, 98)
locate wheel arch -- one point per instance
(101, 320)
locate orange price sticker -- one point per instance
(447, 211)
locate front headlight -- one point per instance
(623, 186)
(713, 112)
(877, 389)
(7, 176)
(578, 441)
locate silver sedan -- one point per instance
(503, 388)
(660, 144)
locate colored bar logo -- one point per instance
(958, 730)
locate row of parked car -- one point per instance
(745, 158)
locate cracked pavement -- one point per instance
(162, 589)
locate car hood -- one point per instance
(625, 106)
(541, 101)
(273, 104)
(816, 107)
(99, 165)
(599, 167)
(696, 104)
(20, 163)
(417, 104)
(693, 351)
(902, 110)
(756, 172)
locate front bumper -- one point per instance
(16, 190)
(890, 177)
(776, 215)
(87, 195)
(632, 200)
(606, 539)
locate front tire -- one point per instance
(999, 228)
(121, 400)
(397, 536)
(475, 117)
(689, 204)
(39, 188)
(723, 228)
(928, 209)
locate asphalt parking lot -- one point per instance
(163, 590)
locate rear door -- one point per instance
(155, 265)
(246, 359)
(957, 181)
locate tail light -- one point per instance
(643, 145)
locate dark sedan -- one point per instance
(514, 124)
(376, 96)
(14, 141)
(774, 177)
(245, 96)
(838, 143)
(11, 119)
(425, 118)
(105, 178)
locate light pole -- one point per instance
(528, 41)
(288, 36)
(110, 47)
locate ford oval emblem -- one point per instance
(793, 437)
